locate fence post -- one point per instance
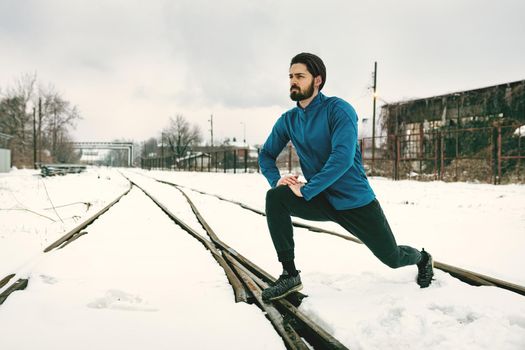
(235, 161)
(442, 156)
(499, 154)
(457, 154)
(435, 143)
(398, 156)
(258, 152)
(246, 160)
(224, 160)
(374, 154)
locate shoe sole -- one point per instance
(290, 291)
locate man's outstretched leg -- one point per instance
(370, 225)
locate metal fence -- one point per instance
(227, 161)
(490, 155)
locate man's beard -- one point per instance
(298, 95)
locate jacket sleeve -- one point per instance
(343, 129)
(271, 149)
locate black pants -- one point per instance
(367, 223)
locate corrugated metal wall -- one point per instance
(5, 160)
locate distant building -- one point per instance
(422, 115)
(5, 153)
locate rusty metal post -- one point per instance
(457, 154)
(435, 145)
(258, 152)
(246, 160)
(393, 154)
(442, 156)
(499, 154)
(235, 161)
(398, 156)
(519, 155)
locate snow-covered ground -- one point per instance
(120, 285)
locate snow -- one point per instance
(520, 132)
(137, 280)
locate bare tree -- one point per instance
(64, 152)
(24, 110)
(58, 116)
(180, 136)
(15, 117)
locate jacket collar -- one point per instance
(315, 102)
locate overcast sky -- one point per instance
(130, 65)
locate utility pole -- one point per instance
(374, 118)
(211, 129)
(40, 130)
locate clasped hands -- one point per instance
(292, 182)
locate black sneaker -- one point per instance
(285, 285)
(425, 270)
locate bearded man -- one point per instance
(323, 131)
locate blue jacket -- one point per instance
(325, 138)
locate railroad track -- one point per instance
(22, 282)
(248, 280)
(470, 277)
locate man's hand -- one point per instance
(296, 189)
(288, 180)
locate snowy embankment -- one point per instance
(121, 282)
(36, 211)
(135, 281)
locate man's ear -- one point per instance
(317, 81)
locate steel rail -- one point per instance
(75, 231)
(60, 243)
(470, 277)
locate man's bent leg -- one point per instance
(281, 204)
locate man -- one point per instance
(324, 133)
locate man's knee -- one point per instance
(277, 194)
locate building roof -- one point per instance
(506, 100)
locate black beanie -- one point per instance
(313, 63)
